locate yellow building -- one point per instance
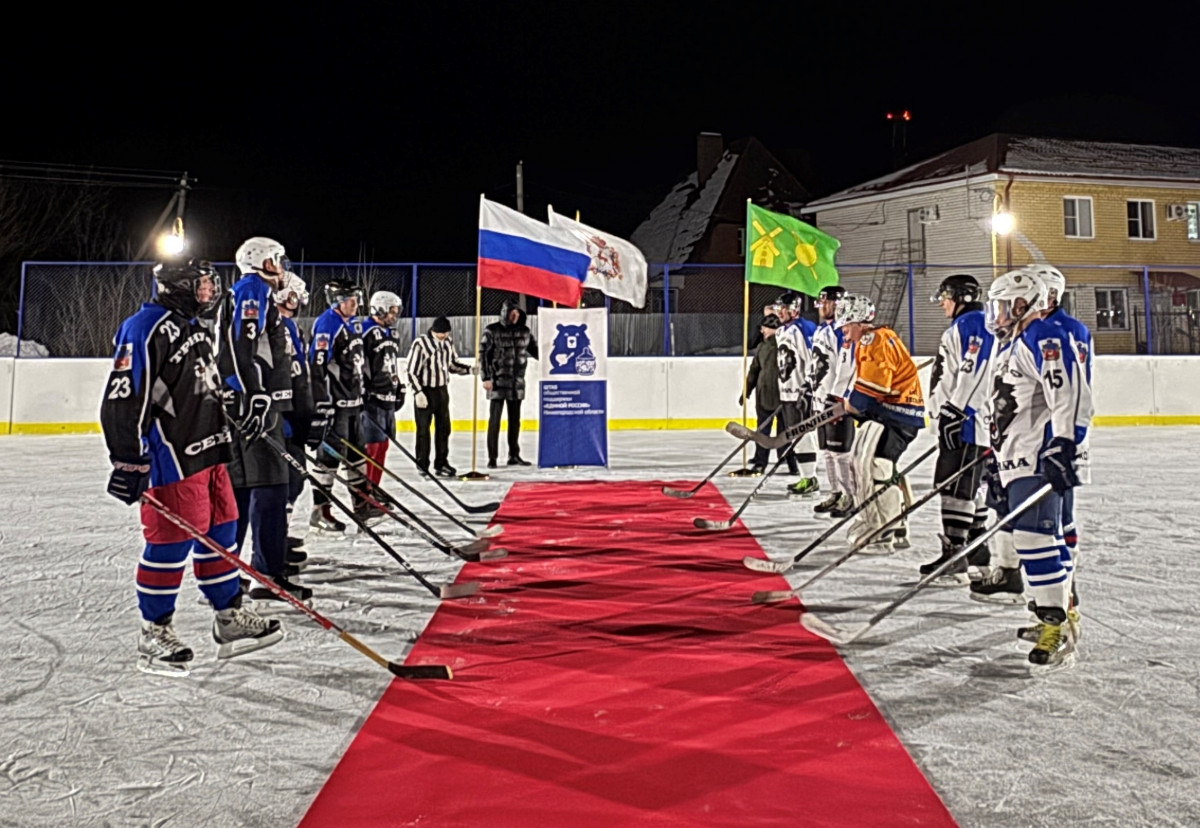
(1121, 221)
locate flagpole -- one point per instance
(473, 475)
(743, 471)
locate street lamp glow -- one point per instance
(1002, 223)
(170, 244)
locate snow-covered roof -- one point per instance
(680, 221)
(1002, 153)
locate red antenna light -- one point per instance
(907, 116)
(889, 116)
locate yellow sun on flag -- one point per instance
(806, 255)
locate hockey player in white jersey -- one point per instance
(794, 353)
(822, 382)
(1038, 400)
(957, 404)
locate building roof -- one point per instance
(1025, 155)
(672, 231)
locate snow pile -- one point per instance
(29, 348)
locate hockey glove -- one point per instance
(321, 422)
(996, 497)
(399, 397)
(950, 428)
(420, 400)
(129, 480)
(1058, 464)
(831, 401)
(254, 424)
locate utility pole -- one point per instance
(520, 209)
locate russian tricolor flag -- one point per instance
(523, 255)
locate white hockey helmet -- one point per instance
(292, 284)
(255, 251)
(1056, 282)
(851, 309)
(383, 301)
(1001, 313)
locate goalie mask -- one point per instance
(853, 309)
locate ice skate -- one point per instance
(1055, 645)
(1003, 585)
(238, 631)
(955, 574)
(828, 503)
(843, 507)
(160, 652)
(322, 520)
(1034, 632)
(805, 487)
(900, 539)
(297, 555)
(300, 593)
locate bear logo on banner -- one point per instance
(572, 352)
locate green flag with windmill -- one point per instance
(786, 252)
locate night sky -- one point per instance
(350, 130)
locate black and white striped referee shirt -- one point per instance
(431, 362)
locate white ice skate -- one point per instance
(238, 631)
(160, 652)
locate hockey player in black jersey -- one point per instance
(336, 361)
(162, 422)
(297, 423)
(383, 389)
(256, 372)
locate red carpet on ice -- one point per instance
(613, 672)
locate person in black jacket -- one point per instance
(504, 352)
(763, 382)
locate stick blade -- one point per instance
(463, 590)
(421, 671)
(740, 431)
(473, 547)
(834, 635)
(677, 493)
(771, 596)
(493, 554)
(486, 507)
(764, 566)
(712, 525)
(491, 531)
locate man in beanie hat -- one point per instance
(763, 382)
(431, 361)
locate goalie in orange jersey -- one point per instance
(887, 401)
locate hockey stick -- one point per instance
(424, 671)
(828, 415)
(489, 532)
(444, 591)
(474, 510)
(670, 491)
(843, 636)
(475, 551)
(783, 567)
(789, 436)
(770, 597)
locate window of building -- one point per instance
(1111, 309)
(1077, 217)
(1193, 221)
(1141, 219)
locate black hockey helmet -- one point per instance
(788, 299)
(339, 290)
(178, 284)
(961, 287)
(831, 293)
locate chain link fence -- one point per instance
(73, 309)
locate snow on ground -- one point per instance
(90, 741)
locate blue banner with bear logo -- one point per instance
(573, 387)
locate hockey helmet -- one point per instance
(382, 301)
(831, 293)
(254, 251)
(1002, 312)
(961, 287)
(1056, 282)
(292, 285)
(853, 309)
(340, 290)
(179, 283)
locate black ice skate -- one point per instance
(323, 520)
(238, 631)
(160, 652)
(1001, 586)
(300, 593)
(955, 574)
(828, 503)
(843, 507)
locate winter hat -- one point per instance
(441, 325)
(771, 321)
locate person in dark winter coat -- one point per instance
(504, 352)
(763, 382)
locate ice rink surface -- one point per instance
(90, 741)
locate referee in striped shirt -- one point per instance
(431, 361)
